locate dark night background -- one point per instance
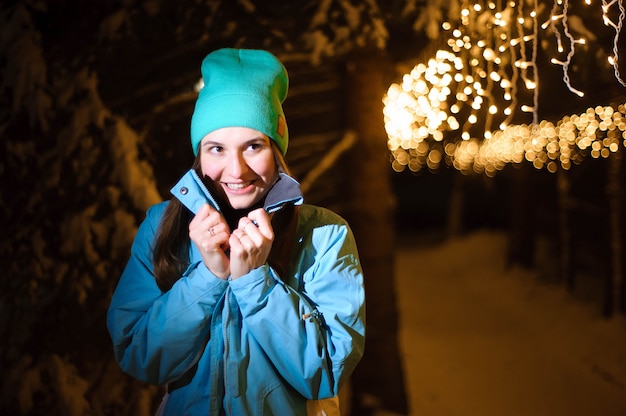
(96, 99)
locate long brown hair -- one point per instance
(172, 243)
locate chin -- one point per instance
(241, 204)
(245, 201)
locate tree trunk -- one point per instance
(455, 208)
(521, 232)
(378, 381)
(566, 269)
(614, 300)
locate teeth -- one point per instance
(237, 185)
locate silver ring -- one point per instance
(211, 232)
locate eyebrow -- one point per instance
(261, 138)
(210, 143)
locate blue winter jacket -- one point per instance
(259, 345)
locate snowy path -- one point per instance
(479, 341)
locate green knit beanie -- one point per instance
(242, 88)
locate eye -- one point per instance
(215, 149)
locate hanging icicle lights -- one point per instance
(428, 124)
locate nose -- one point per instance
(237, 165)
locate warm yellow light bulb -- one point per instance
(489, 54)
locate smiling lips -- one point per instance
(238, 186)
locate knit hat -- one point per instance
(242, 88)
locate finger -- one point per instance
(262, 221)
(240, 244)
(247, 251)
(248, 227)
(240, 234)
(249, 233)
(200, 216)
(205, 218)
(214, 223)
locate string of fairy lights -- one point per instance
(464, 105)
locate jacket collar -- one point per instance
(193, 193)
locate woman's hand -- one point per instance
(210, 233)
(251, 243)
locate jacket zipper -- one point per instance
(205, 189)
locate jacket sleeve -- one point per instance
(158, 336)
(314, 334)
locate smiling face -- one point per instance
(241, 163)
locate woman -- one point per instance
(238, 297)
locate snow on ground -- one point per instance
(481, 340)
